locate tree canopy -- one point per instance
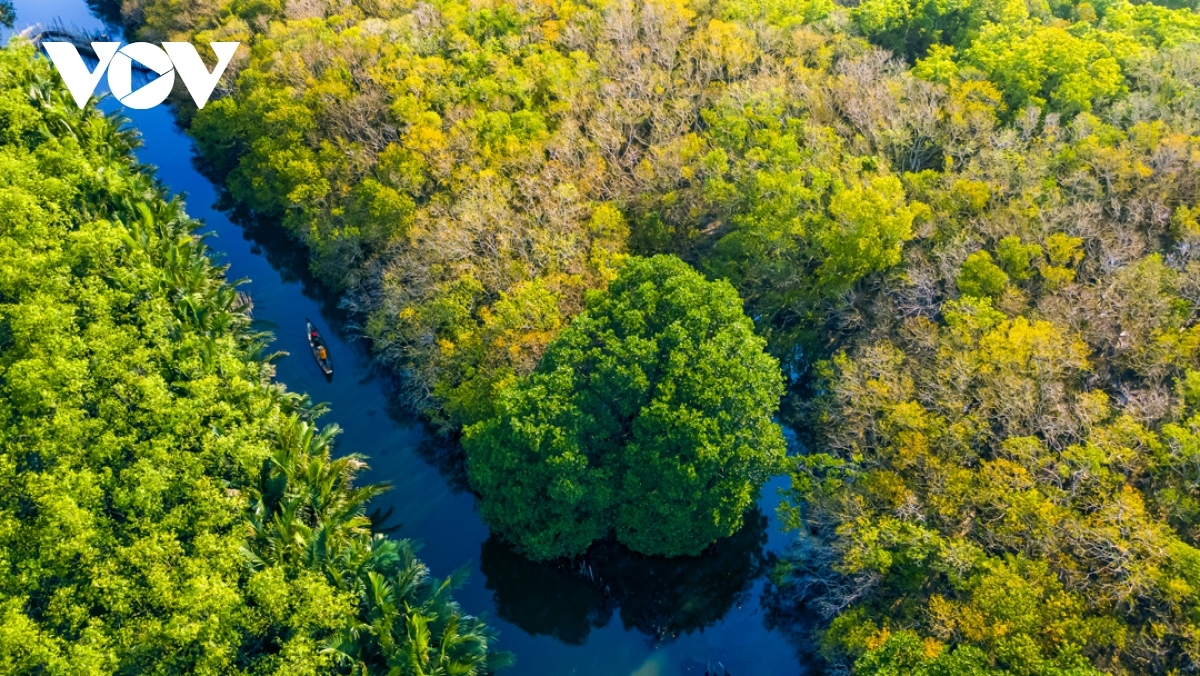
(650, 415)
(967, 229)
(164, 506)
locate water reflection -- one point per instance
(288, 257)
(786, 609)
(544, 599)
(446, 455)
(660, 597)
(107, 11)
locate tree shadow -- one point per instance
(661, 597)
(786, 606)
(438, 450)
(108, 11)
(288, 257)
(447, 457)
(544, 599)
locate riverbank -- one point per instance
(568, 627)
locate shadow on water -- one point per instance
(290, 259)
(799, 624)
(108, 11)
(440, 451)
(446, 455)
(662, 598)
(544, 599)
(679, 617)
(789, 608)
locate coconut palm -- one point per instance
(410, 626)
(305, 510)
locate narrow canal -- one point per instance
(620, 614)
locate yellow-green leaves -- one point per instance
(164, 508)
(981, 277)
(871, 222)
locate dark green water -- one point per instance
(620, 615)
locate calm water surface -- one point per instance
(620, 614)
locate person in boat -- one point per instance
(321, 352)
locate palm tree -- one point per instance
(306, 511)
(410, 626)
(307, 514)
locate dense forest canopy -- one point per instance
(969, 230)
(465, 171)
(650, 415)
(166, 508)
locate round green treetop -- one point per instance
(650, 416)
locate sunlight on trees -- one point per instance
(166, 507)
(966, 231)
(650, 416)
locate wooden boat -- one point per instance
(318, 346)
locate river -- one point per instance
(621, 614)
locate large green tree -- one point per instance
(649, 416)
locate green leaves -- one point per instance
(1039, 66)
(531, 465)
(981, 277)
(165, 510)
(1018, 260)
(975, 253)
(649, 416)
(871, 222)
(807, 223)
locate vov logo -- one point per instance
(172, 58)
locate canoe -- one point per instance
(316, 343)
